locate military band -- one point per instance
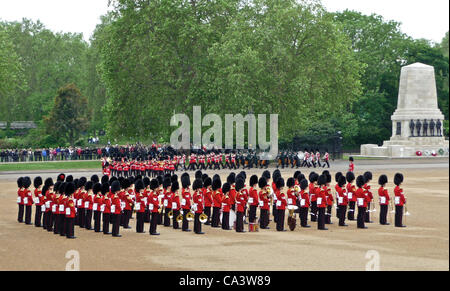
(68, 202)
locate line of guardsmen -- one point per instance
(98, 205)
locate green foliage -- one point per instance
(444, 45)
(163, 57)
(69, 116)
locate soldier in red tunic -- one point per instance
(217, 202)
(383, 195)
(198, 205)
(321, 199)
(38, 201)
(27, 199)
(399, 200)
(341, 197)
(207, 198)
(241, 202)
(369, 196)
(361, 200)
(351, 195)
(70, 211)
(154, 206)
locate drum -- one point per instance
(253, 227)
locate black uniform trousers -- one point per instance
(274, 212)
(351, 211)
(62, 221)
(239, 221)
(81, 217)
(38, 216)
(166, 217)
(361, 216)
(126, 218)
(154, 222)
(314, 211)
(303, 216)
(226, 220)
(50, 218)
(398, 216)
(367, 217)
(215, 217)
(21, 213)
(328, 214)
(197, 223)
(342, 211)
(106, 221)
(69, 227)
(252, 213)
(88, 219)
(140, 222)
(185, 225)
(147, 215)
(264, 219)
(321, 218)
(383, 214)
(97, 220)
(207, 212)
(116, 224)
(28, 210)
(280, 219)
(176, 213)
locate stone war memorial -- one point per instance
(417, 124)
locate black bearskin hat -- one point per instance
(160, 180)
(166, 183)
(20, 182)
(328, 178)
(139, 185)
(69, 188)
(69, 179)
(226, 188)
(207, 182)
(244, 174)
(185, 181)
(382, 180)
(125, 184)
(97, 188)
(175, 186)
(266, 174)
(337, 176)
(216, 184)
(322, 180)
(262, 182)
(105, 179)
(62, 187)
(290, 182)
(154, 184)
(216, 177)
(240, 183)
(231, 179)
(280, 183)
(115, 187)
(81, 182)
(146, 181)
(303, 184)
(94, 179)
(198, 184)
(61, 178)
(174, 178)
(398, 179)
(367, 176)
(253, 180)
(26, 182)
(350, 177)
(56, 186)
(313, 177)
(105, 188)
(198, 174)
(296, 174)
(88, 185)
(37, 182)
(341, 181)
(360, 181)
(204, 177)
(49, 182)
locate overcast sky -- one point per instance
(420, 19)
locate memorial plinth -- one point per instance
(417, 122)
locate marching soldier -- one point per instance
(313, 191)
(226, 206)
(241, 202)
(139, 206)
(350, 188)
(253, 199)
(38, 201)
(186, 200)
(217, 202)
(384, 199)
(321, 200)
(207, 197)
(167, 201)
(342, 199)
(20, 199)
(176, 206)
(198, 205)
(105, 208)
(361, 199)
(48, 187)
(115, 208)
(264, 202)
(399, 200)
(330, 200)
(368, 178)
(69, 212)
(154, 206)
(146, 199)
(303, 199)
(97, 202)
(88, 205)
(27, 199)
(281, 204)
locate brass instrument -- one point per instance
(170, 214)
(190, 216)
(179, 218)
(203, 218)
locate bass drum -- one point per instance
(301, 156)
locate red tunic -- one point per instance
(264, 201)
(198, 202)
(207, 197)
(384, 196)
(253, 199)
(361, 197)
(186, 199)
(241, 201)
(304, 199)
(351, 192)
(399, 199)
(341, 196)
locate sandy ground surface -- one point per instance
(423, 245)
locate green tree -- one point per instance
(444, 45)
(69, 116)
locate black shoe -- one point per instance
(365, 227)
(323, 228)
(208, 223)
(199, 233)
(89, 229)
(107, 233)
(71, 237)
(385, 223)
(155, 233)
(307, 226)
(117, 235)
(28, 223)
(128, 227)
(187, 230)
(37, 225)
(401, 226)
(344, 225)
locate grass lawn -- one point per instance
(345, 158)
(50, 166)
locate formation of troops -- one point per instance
(105, 205)
(169, 163)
